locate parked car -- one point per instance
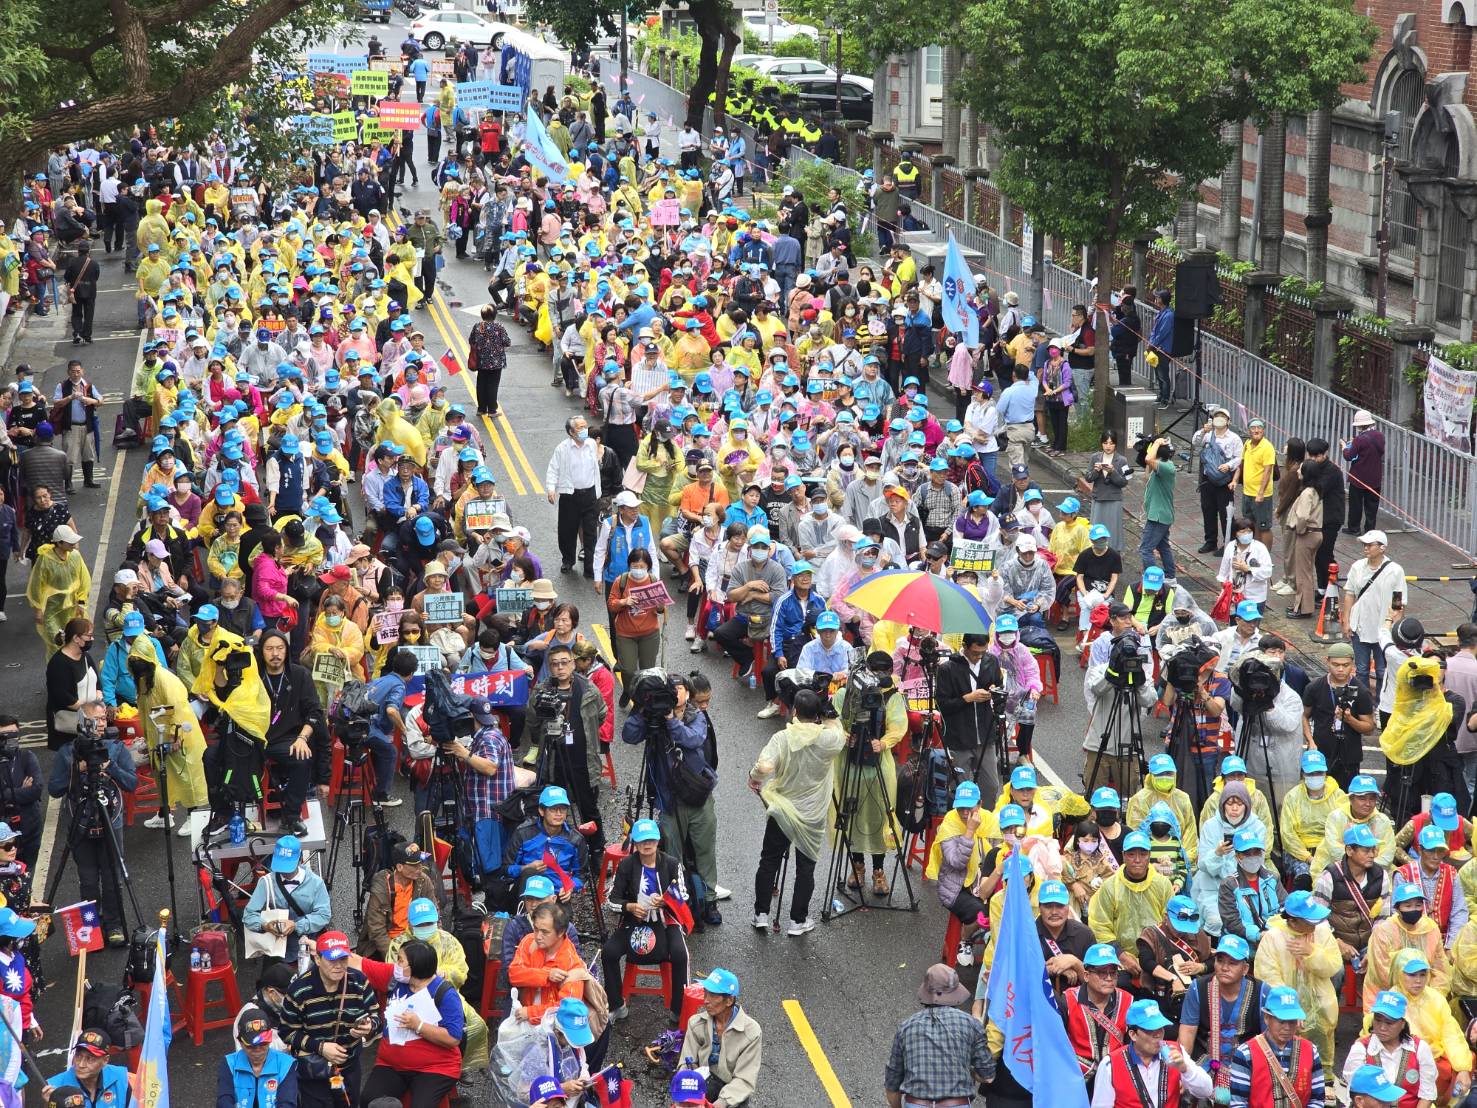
(786, 68)
(436, 28)
(780, 31)
(819, 94)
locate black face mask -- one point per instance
(1106, 818)
(1159, 830)
(1411, 916)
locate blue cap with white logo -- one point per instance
(286, 854)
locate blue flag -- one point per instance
(540, 150)
(959, 317)
(153, 1060)
(1022, 1003)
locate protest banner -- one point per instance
(666, 213)
(329, 669)
(915, 692)
(513, 601)
(648, 597)
(479, 513)
(1448, 396)
(474, 96)
(345, 127)
(372, 130)
(386, 626)
(976, 555)
(426, 658)
(444, 607)
(507, 689)
(505, 98)
(398, 116)
(369, 82)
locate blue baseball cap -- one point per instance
(1053, 892)
(1371, 1081)
(978, 499)
(553, 797)
(425, 529)
(1183, 915)
(539, 887)
(1363, 784)
(1444, 813)
(1161, 765)
(422, 911)
(545, 1088)
(1234, 946)
(1153, 578)
(1416, 963)
(1101, 954)
(1432, 838)
(688, 1087)
(224, 497)
(1146, 1016)
(1106, 797)
(1407, 890)
(1232, 764)
(1282, 1003)
(1012, 815)
(722, 982)
(207, 613)
(1007, 622)
(1359, 834)
(573, 1019)
(1135, 840)
(1389, 1004)
(1023, 777)
(1304, 906)
(133, 625)
(828, 621)
(1098, 531)
(1070, 504)
(801, 567)
(1313, 761)
(1249, 610)
(286, 854)
(645, 831)
(1247, 840)
(966, 795)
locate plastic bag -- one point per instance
(520, 1054)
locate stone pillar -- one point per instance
(969, 140)
(880, 136)
(1231, 192)
(1405, 400)
(936, 165)
(972, 175)
(1326, 311)
(1141, 270)
(1274, 168)
(1257, 285)
(1006, 222)
(853, 127)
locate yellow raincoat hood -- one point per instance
(1421, 715)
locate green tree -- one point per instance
(77, 71)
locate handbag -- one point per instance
(634, 479)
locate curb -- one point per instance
(12, 327)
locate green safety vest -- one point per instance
(811, 133)
(905, 172)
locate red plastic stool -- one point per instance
(145, 793)
(1048, 677)
(692, 1004)
(490, 974)
(610, 770)
(1352, 1002)
(336, 773)
(631, 981)
(608, 861)
(176, 994)
(197, 1006)
(952, 935)
(761, 657)
(919, 850)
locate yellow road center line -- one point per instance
(602, 640)
(818, 1060)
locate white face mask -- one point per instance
(1089, 846)
(543, 605)
(1316, 782)
(759, 556)
(1220, 423)
(639, 573)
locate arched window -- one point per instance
(1456, 232)
(1407, 95)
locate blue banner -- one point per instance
(541, 152)
(505, 690)
(959, 317)
(1022, 1003)
(153, 1059)
(326, 61)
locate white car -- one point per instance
(781, 30)
(785, 68)
(434, 29)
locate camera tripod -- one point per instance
(553, 768)
(1124, 710)
(348, 819)
(861, 776)
(1180, 738)
(446, 799)
(91, 820)
(159, 754)
(1254, 730)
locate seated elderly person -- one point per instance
(1028, 590)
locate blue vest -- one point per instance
(254, 1091)
(112, 1086)
(290, 491)
(617, 552)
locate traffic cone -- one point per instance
(1328, 608)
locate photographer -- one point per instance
(966, 682)
(487, 783)
(1258, 689)
(296, 745)
(681, 776)
(793, 776)
(1111, 668)
(1209, 736)
(388, 696)
(875, 724)
(96, 763)
(1337, 713)
(569, 711)
(20, 792)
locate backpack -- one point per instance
(355, 701)
(437, 995)
(1212, 457)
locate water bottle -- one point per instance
(753, 682)
(238, 829)
(194, 959)
(205, 960)
(837, 908)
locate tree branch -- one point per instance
(83, 55)
(177, 12)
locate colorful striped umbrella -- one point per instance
(921, 600)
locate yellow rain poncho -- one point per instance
(1049, 802)
(247, 704)
(57, 591)
(953, 825)
(1429, 1019)
(347, 640)
(153, 228)
(168, 695)
(1331, 849)
(1179, 803)
(1121, 908)
(1302, 818)
(795, 768)
(1388, 939)
(1421, 716)
(1464, 961)
(871, 831)
(1311, 976)
(395, 428)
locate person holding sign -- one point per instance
(638, 623)
(335, 651)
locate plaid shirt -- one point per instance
(939, 507)
(484, 793)
(934, 1052)
(618, 403)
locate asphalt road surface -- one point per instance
(828, 1001)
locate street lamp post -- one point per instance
(625, 47)
(1390, 143)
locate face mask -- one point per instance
(639, 573)
(333, 620)
(1252, 864)
(848, 463)
(543, 605)
(910, 392)
(1106, 819)
(1159, 830)
(759, 557)
(821, 511)
(399, 974)
(1163, 784)
(1244, 540)
(1411, 916)
(1089, 846)
(425, 932)
(1007, 639)
(231, 605)
(1316, 783)
(1220, 424)
(1182, 617)
(581, 435)
(867, 560)
(910, 471)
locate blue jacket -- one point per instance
(395, 496)
(387, 692)
(237, 1087)
(112, 1087)
(918, 338)
(120, 769)
(618, 548)
(790, 619)
(1161, 334)
(310, 894)
(420, 70)
(689, 740)
(529, 842)
(118, 686)
(10, 535)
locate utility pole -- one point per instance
(625, 48)
(1391, 143)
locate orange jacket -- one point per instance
(530, 974)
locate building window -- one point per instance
(1451, 264)
(931, 92)
(1406, 97)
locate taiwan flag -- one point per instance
(451, 363)
(612, 1090)
(81, 926)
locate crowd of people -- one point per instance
(326, 591)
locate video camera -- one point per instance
(1125, 662)
(448, 714)
(1256, 680)
(1182, 672)
(654, 694)
(90, 745)
(792, 681)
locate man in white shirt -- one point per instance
(1373, 592)
(1217, 476)
(1139, 1064)
(573, 481)
(689, 143)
